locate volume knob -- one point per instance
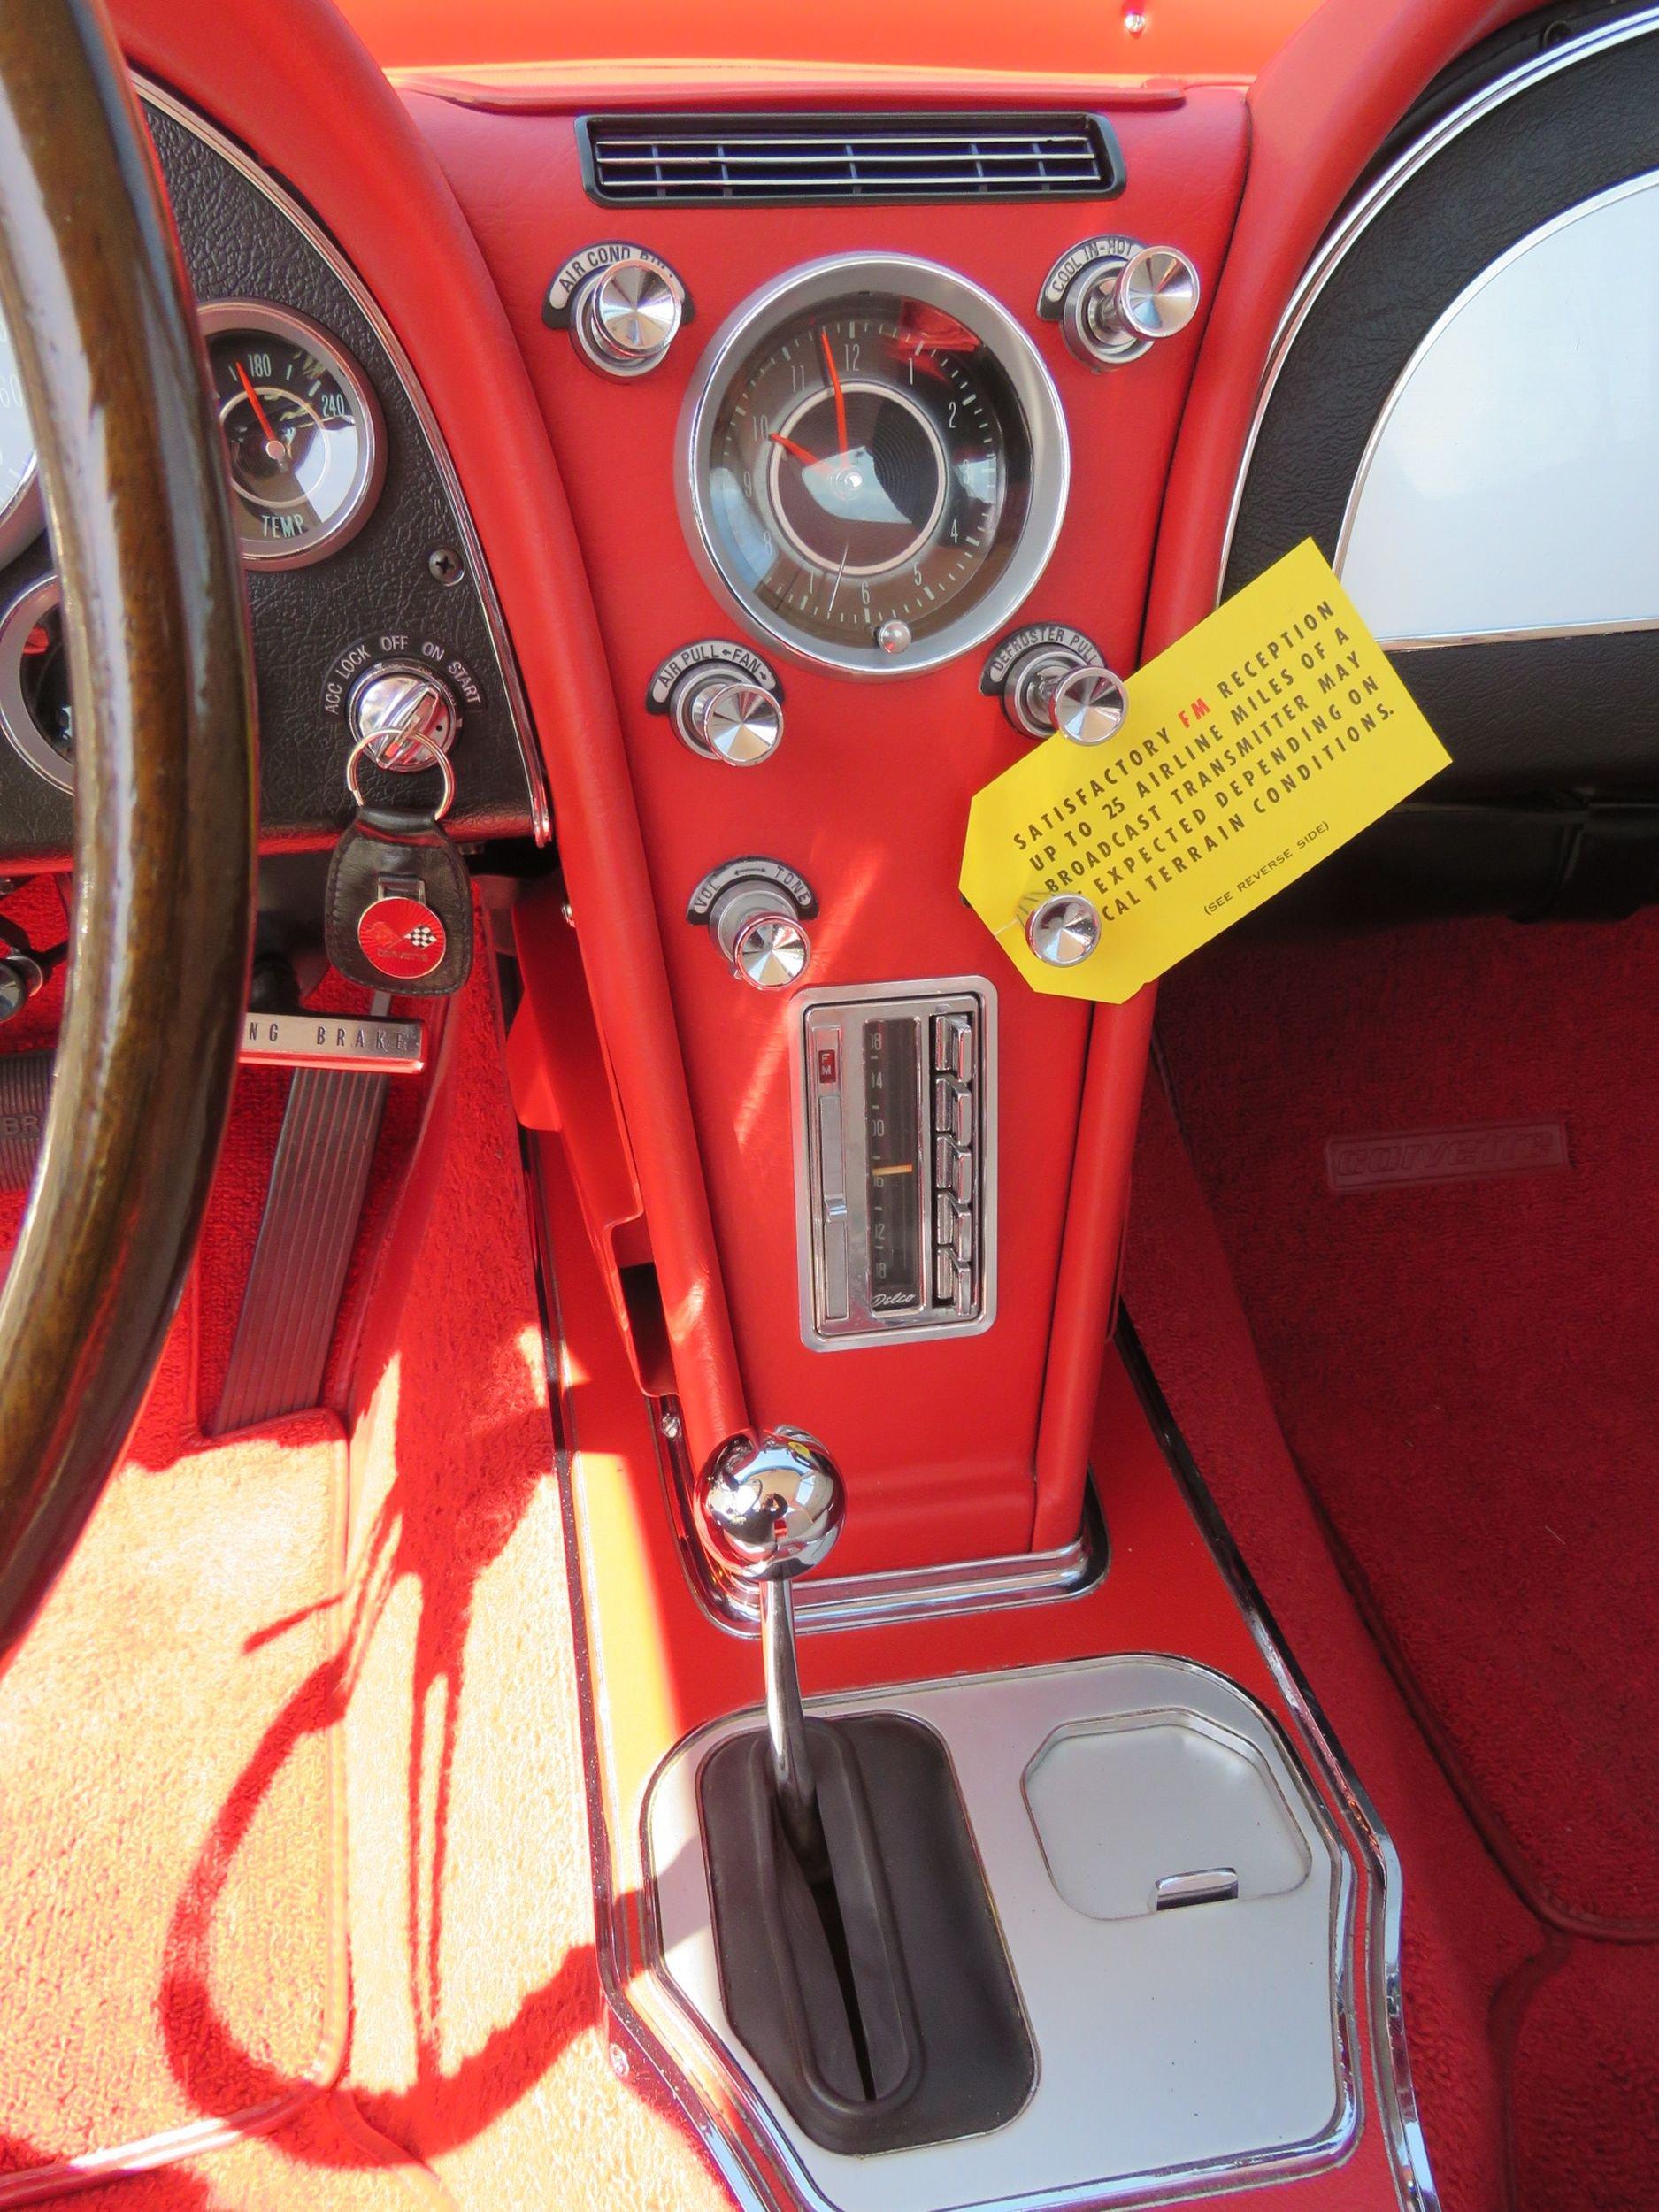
(626, 315)
(761, 934)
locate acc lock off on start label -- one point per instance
(1259, 742)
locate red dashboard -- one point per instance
(458, 203)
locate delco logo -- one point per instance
(1471, 1154)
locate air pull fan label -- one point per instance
(1259, 742)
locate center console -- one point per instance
(864, 410)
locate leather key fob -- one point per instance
(397, 913)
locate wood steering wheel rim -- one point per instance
(95, 293)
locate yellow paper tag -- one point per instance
(1256, 745)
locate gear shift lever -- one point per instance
(771, 1509)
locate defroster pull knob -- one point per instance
(1053, 688)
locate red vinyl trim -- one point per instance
(297, 87)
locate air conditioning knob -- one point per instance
(626, 315)
(1052, 689)
(1120, 304)
(724, 715)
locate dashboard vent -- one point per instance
(822, 160)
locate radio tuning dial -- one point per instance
(723, 715)
(1051, 690)
(405, 712)
(1117, 306)
(626, 315)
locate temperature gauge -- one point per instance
(302, 429)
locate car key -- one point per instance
(398, 906)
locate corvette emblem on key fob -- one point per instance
(401, 937)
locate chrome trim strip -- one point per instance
(1359, 214)
(1414, 2178)
(826, 1603)
(239, 158)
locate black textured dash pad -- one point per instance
(949, 2054)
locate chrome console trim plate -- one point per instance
(644, 2031)
(1156, 2080)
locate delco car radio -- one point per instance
(896, 1161)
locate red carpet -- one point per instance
(1464, 1375)
(1465, 1370)
(172, 1937)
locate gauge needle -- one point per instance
(836, 586)
(274, 445)
(835, 386)
(790, 445)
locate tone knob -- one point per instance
(626, 315)
(760, 934)
(1053, 689)
(404, 714)
(1063, 931)
(724, 715)
(1119, 305)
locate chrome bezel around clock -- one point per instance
(218, 316)
(835, 279)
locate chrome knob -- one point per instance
(1063, 931)
(626, 315)
(719, 712)
(1088, 706)
(760, 934)
(402, 714)
(1052, 688)
(1120, 304)
(770, 1507)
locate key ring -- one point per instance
(440, 761)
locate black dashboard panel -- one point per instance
(376, 597)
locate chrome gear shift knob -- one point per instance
(770, 1508)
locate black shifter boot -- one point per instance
(877, 1998)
